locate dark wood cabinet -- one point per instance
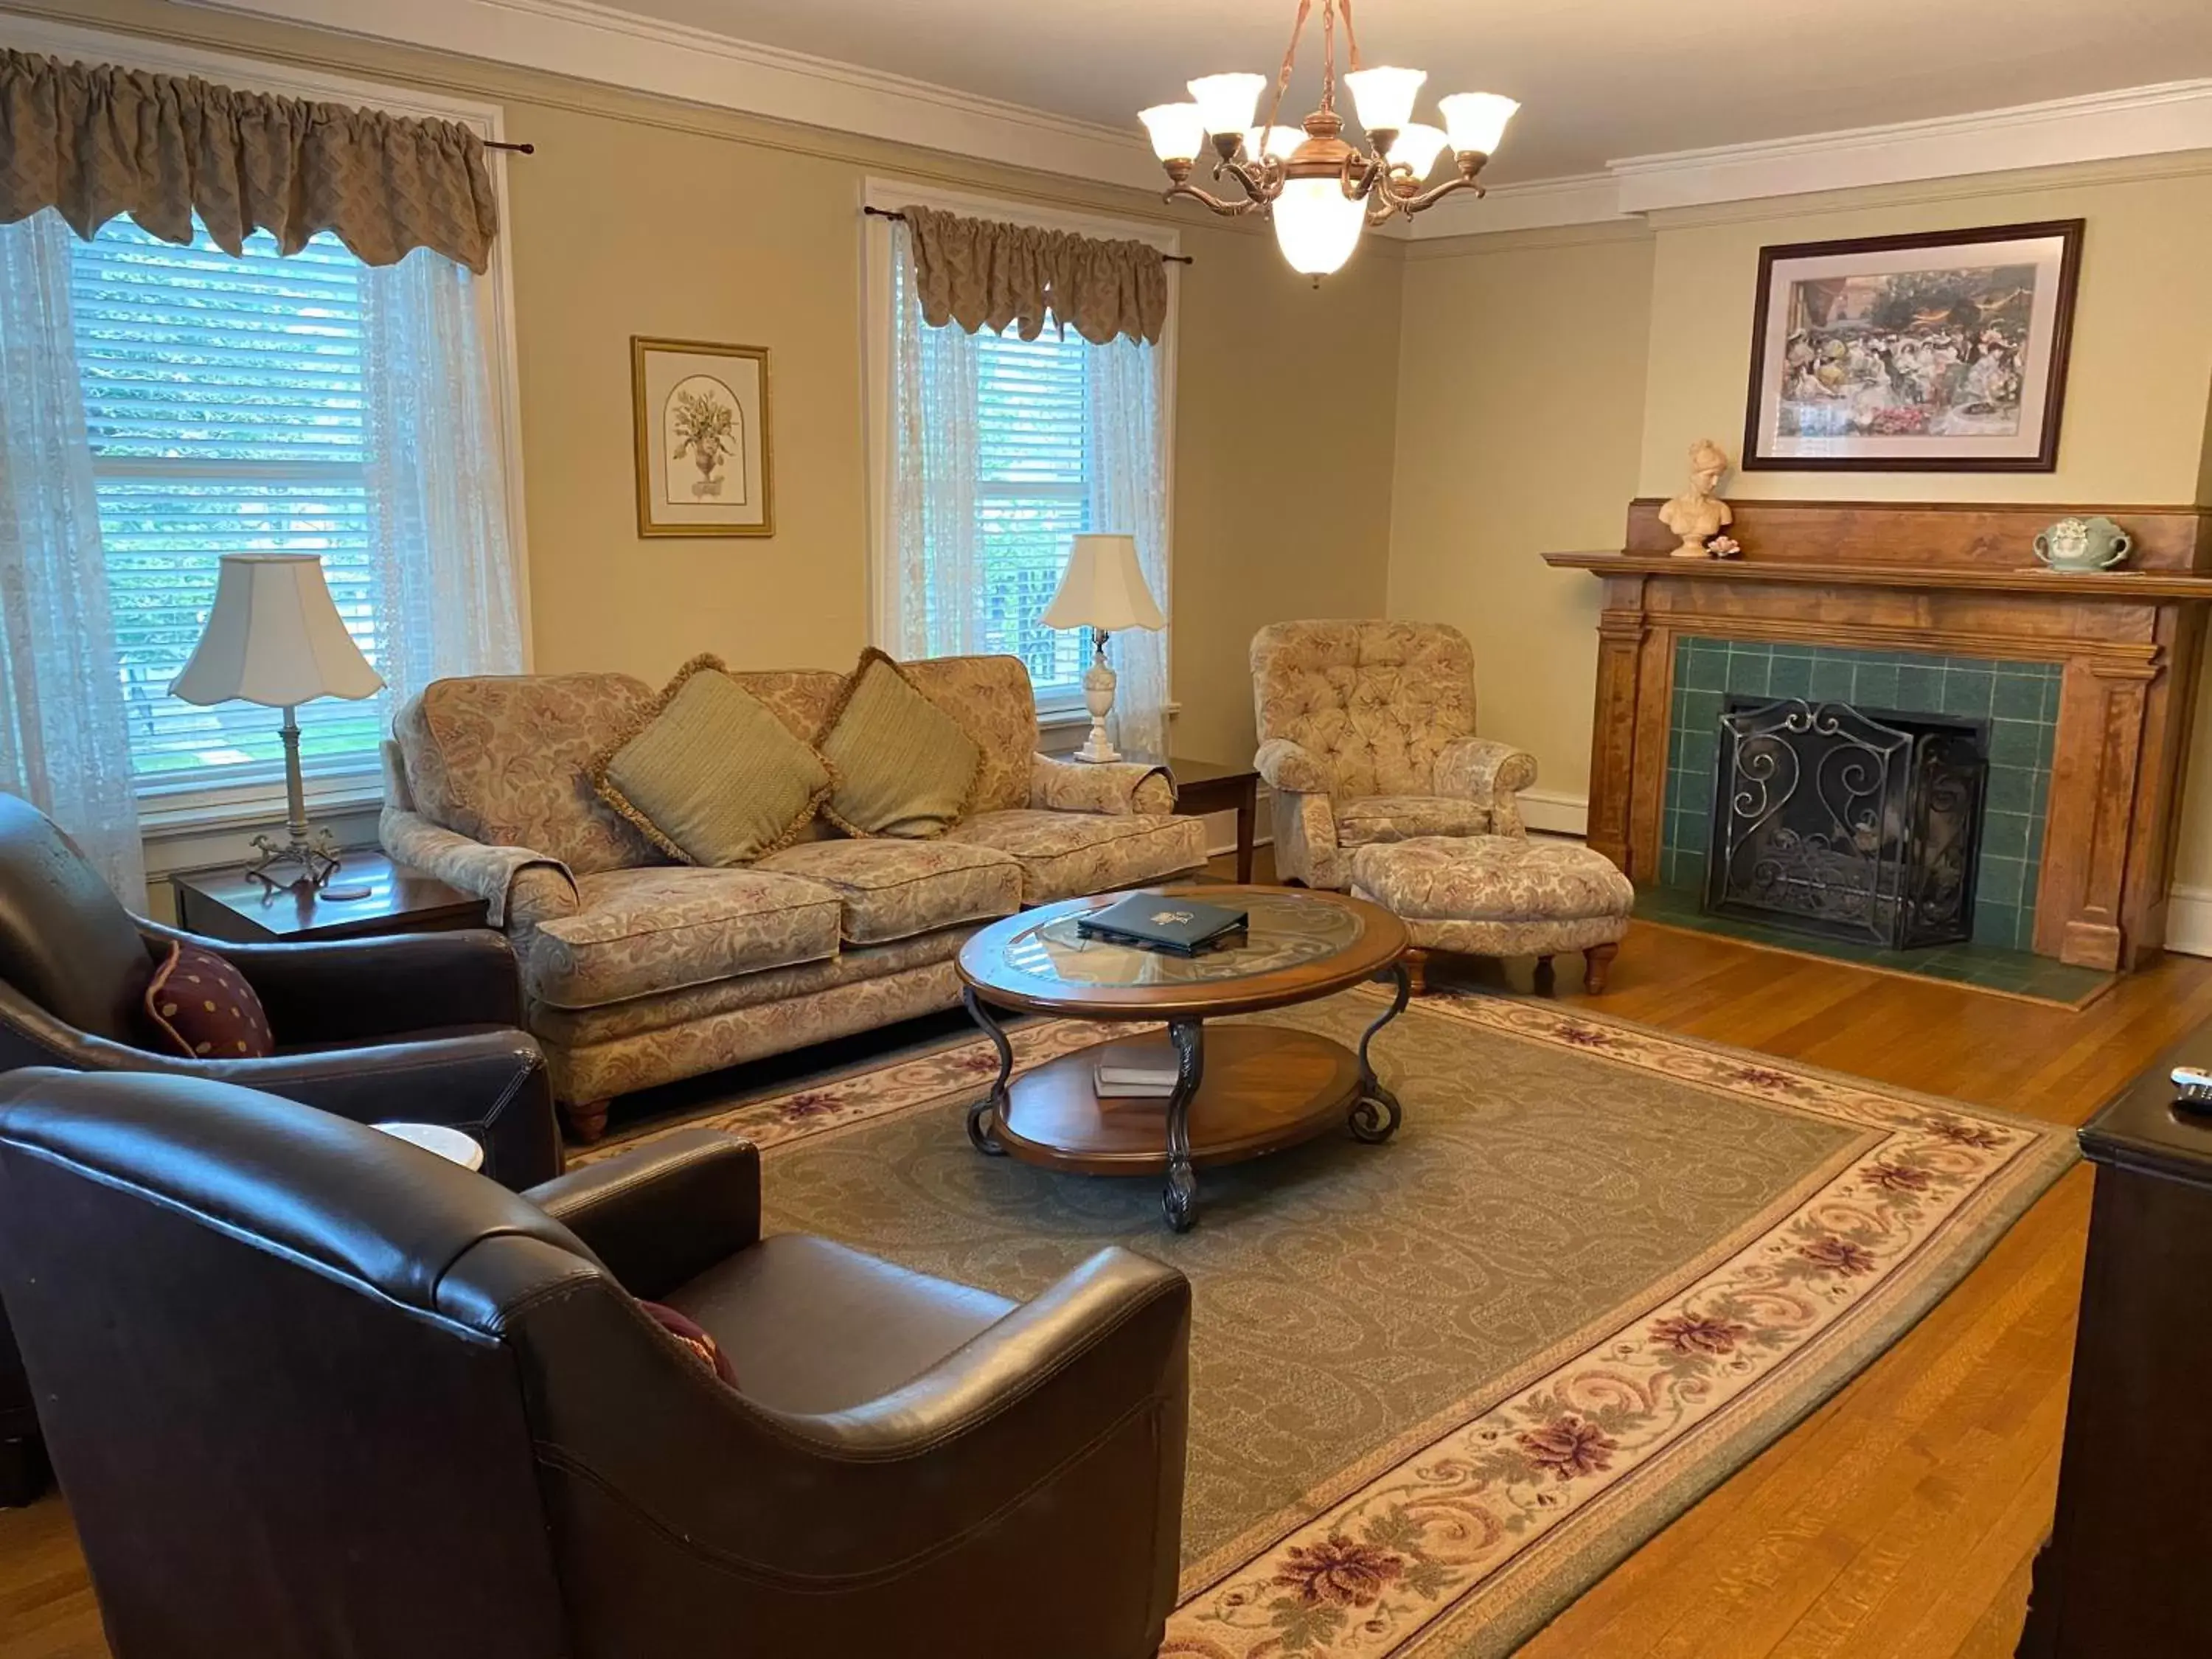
(2128, 1570)
(369, 896)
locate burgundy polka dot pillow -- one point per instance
(198, 1005)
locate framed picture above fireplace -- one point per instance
(1940, 352)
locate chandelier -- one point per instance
(1320, 191)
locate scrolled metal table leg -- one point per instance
(986, 1114)
(1179, 1200)
(1375, 1110)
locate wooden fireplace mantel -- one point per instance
(1954, 579)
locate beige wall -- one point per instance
(1520, 409)
(641, 216)
(1517, 360)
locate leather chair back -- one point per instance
(66, 941)
(268, 1358)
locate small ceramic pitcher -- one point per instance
(2095, 543)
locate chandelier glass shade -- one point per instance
(1321, 191)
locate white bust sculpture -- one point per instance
(1698, 515)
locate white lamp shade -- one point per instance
(1317, 226)
(1176, 130)
(1476, 120)
(1279, 142)
(274, 637)
(1226, 103)
(1103, 587)
(1384, 97)
(1418, 146)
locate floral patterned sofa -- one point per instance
(639, 971)
(1367, 735)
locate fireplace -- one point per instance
(1853, 822)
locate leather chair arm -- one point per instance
(664, 1213)
(350, 990)
(1289, 767)
(492, 1085)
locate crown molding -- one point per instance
(1586, 199)
(588, 41)
(2136, 121)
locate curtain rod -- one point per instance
(519, 149)
(886, 213)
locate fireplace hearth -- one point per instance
(1847, 821)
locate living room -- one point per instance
(629, 583)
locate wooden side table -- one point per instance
(1203, 787)
(229, 904)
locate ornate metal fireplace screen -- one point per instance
(1836, 820)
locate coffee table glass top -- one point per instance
(1286, 929)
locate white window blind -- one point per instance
(225, 402)
(1033, 468)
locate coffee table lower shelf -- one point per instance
(1244, 1092)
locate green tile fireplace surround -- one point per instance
(2019, 699)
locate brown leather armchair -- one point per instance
(421, 1027)
(311, 1391)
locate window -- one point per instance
(994, 451)
(226, 402)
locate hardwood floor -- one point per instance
(1898, 1520)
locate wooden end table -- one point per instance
(1240, 1092)
(1203, 787)
(229, 904)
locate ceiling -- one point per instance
(1599, 80)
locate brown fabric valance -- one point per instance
(96, 140)
(981, 274)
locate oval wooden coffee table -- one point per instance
(1240, 1091)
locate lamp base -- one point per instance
(301, 860)
(1099, 685)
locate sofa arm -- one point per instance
(1288, 766)
(1484, 770)
(1117, 787)
(663, 1213)
(519, 886)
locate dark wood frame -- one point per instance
(2045, 459)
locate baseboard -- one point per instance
(1554, 813)
(2188, 921)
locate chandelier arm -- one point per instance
(1262, 183)
(1226, 209)
(1290, 62)
(1466, 180)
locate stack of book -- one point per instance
(1133, 1082)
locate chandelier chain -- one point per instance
(1290, 62)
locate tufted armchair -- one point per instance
(1367, 734)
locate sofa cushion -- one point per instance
(199, 1006)
(903, 767)
(504, 760)
(1066, 854)
(636, 932)
(892, 889)
(710, 775)
(1370, 819)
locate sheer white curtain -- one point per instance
(938, 569)
(437, 477)
(64, 743)
(1129, 497)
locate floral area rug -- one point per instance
(1442, 1385)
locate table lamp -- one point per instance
(275, 637)
(1103, 589)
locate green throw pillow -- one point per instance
(710, 775)
(904, 767)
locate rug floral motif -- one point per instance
(1466, 1542)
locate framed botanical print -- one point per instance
(703, 459)
(1942, 352)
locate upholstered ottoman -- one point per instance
(1499, 895)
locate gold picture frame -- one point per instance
(705, 462)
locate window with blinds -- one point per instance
(1033, 478)
(225, 404)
